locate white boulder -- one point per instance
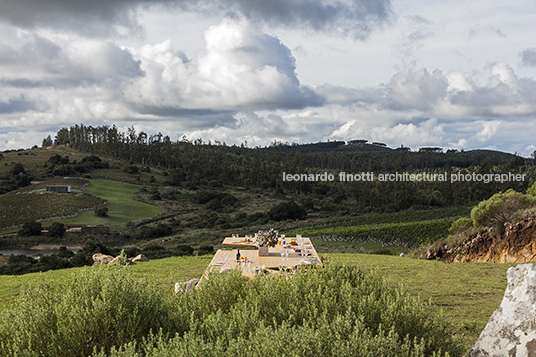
(511, 330)
(101, 259)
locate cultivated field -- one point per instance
(31, 204)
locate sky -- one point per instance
(448, 73)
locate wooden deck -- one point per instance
(279, 258)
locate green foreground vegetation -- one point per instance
(466, 293)
(334, 311)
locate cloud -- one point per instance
(453, 94)
(21, 139)
(528, 57)
(354, 18)
(242, 69)
(48, 79)
(33, 60)
(16, 106)
(263, 129)
(415, 30)
(419, 90)
(97, 17)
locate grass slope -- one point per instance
(165, 271)
(121, 207)
(469, 293)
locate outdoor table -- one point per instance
(271, 262)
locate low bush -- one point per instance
(96, 308)
(337, 310)
(131, 169)
(183, 249)
(56, 229)
(30, 229)
(326, 312)
(216, 201)
(85, 255)
(501, 208)
(100, 211)
(287, 210)
(161, 230)
(205, 249)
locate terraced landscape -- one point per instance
(31, 203)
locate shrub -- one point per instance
(64, 253)
(56, 229)
(287, 210)
(215, 200)
(383, 251)
(132, 251)
(257, 217)
(322, 312)
(30, 229)
(183, 249)
(155, 195)
(17, 169)
(51, 262)
(205, 249)
(85, 255)
(94, 162)
(161, 230)
(100, 211)
(18, 264)
(97, 307)
(460, 225)
(131, 169)
(156, 252)
(500, 209)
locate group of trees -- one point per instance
(30, 229)
(195, 163)
(62, 166)
(16, 177)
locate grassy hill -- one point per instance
(121, 207)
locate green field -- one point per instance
(166, 271)
(468, 293)
(121, 207)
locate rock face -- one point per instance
(516, 245)
(101, 259)
(511, 330)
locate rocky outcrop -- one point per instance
(101, 259)
(516, 245)
(140, 258)
(186, 286)
(511, 330)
